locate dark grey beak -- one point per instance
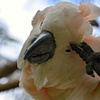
(42, 49)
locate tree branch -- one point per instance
(9, 85)
(8, 69)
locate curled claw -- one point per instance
(86, 48)
(89, 69)
(78, 50)
(97, 62)
(91, 58)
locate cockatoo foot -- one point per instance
(91, 58)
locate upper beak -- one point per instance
(41, 49)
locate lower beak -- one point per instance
(42, 49)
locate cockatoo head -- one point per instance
(54, 29)
(49, 69)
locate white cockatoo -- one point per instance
(60, 60)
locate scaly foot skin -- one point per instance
(91, 58)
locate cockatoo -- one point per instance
(60, 60)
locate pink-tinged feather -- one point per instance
(63, 77)
(89, 11)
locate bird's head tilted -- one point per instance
(54, 29)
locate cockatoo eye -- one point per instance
(68, 50)
(41, 23)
